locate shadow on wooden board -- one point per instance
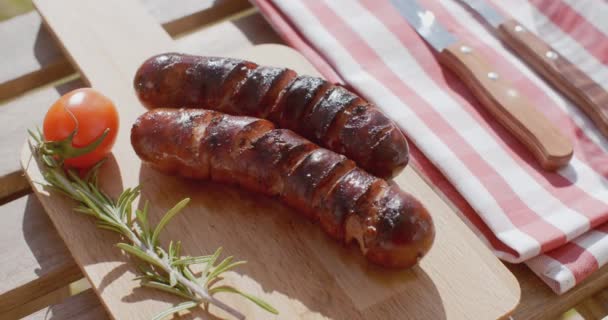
(288, 256)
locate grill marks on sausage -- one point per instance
(298, 98)
(260, 90)
(207, 87)
(325, 186)
(310, 175)
(235, 149)
(323, 113)
(230, 88)
(320, 111)
(276, 153)
(341, 200)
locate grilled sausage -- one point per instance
(329, 115)
(392, 228)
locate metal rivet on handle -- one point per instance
(465, 49)
(493, 75)
(518, 28)
(551, 55)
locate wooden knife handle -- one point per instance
(557, 70)
(549, 146)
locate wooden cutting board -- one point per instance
(292, 264)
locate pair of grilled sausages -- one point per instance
(391, 227)
(326, 114)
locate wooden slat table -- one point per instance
(30, 266)
(36, 269)
(83, 306)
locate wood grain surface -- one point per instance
(515, 112)
(35, 59)
(34, 260)
(291, 263)
(557, 70)
(83, 306)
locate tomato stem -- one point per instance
(63, 149)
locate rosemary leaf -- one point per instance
(142, 218)
(105, 218)
(98, 194)
(261, 303)
(125, 207)
(139, 232)
(173, 278)
(144, 269)
(163, 287)
(122, 202)
(171, 251)
(211, 261)
(180, 307)
(108, 224)
(122, 197)
(78, 182)
(188, 273)
(178, 249)
(174, 250)
(47, 161)
(34, 136)
(166, 218)
(109, 228)
(105, 196)
(192, 260)
(91, 175)
(85, 210)
(213, 273)
(223, 268)
(58, 180)
(139, 253)
(162, 253)
(87, 201)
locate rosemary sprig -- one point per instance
(163, 269)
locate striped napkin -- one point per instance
(555, 222)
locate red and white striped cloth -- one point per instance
(552, 221)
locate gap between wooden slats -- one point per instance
(34, 259)
(32, 58)
(83, 306)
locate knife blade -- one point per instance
(566, 77)
(547, 144)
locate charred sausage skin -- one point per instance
(329, 115)
(392, 228)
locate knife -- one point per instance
(549, 146)
(546, 61)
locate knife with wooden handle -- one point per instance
(514, 111)
(557, 70)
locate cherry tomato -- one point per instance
(94, 113)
